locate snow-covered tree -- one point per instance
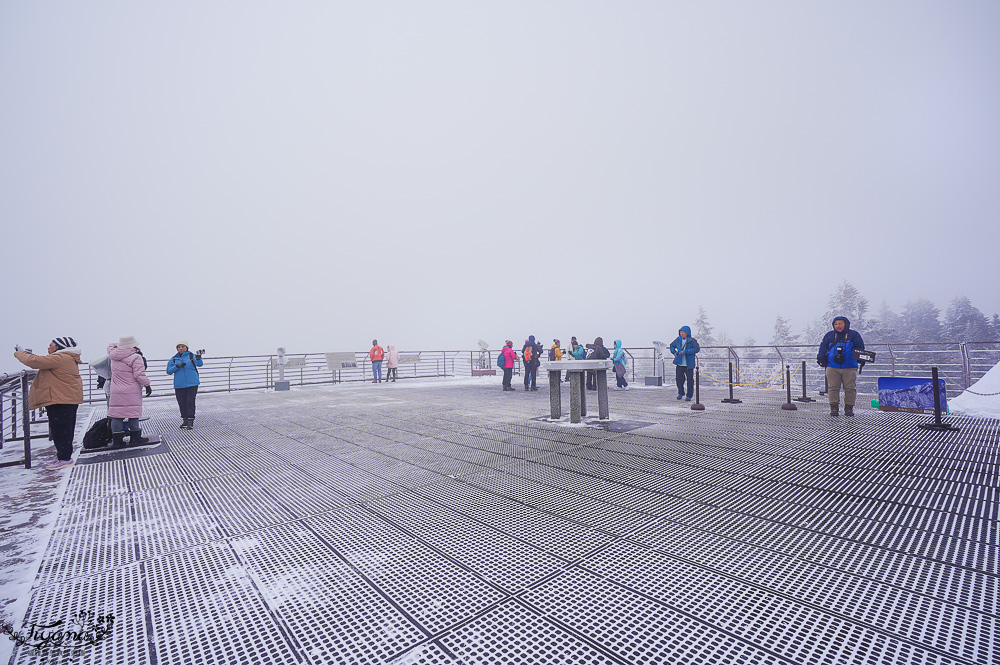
(996, 327)
(885, 328)
(724, 340)
(964, 322)
(920, 322)
(848, 301)
(703, 329)
(783, 334)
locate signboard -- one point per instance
(909, 395)
(409, 358)
(339, 360)
(290, 363)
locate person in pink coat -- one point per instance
(392, 362)
(128, 377)
(509, 356)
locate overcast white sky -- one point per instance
(315, 174)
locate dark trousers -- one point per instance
(62, 424)
(682, 374)
(390, 374)
(530, 376)
(185, 400)
(507, 373)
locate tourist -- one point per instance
(184, 366)
(684, 349)
(509, 356)
(618, 356)
(531, 356)
(376, 355)
(128, 378)
(391, 363)
(836, 354)
(59, 389)
(577, 350)
(595, 351)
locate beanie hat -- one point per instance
(64, 342)
(182, 342)
(531, 338)
(128, 340)
(508, 343)
(557, 341)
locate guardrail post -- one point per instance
(26, 424)
(788, 406)
(697, 406)
(731, 399)
(804, 398)
(937, 425)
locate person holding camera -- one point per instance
(184, 366)
(836, 354)
(59, 389)
(684, 348)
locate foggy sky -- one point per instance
(246, 175)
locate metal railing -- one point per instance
(961, 364)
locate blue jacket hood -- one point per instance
(847, 321)
(531, 338)
(686, 329)
(618, 344)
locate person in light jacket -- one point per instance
(59, 389)
(128, 378)
(618, 356)
(184, 366)
(684, 349)
(391, 363)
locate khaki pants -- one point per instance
(847, 377)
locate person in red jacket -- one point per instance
(376, 355)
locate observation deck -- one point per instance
(442, 521)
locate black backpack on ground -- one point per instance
(99, 434)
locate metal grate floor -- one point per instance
(452, 524)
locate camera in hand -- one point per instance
(201, 352)
(838, 354)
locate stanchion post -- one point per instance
(788, 406)
(697, 406)
(826, 384)
(804, 398)
(937, 425)
(731, 399)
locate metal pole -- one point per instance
(697, 406)
(937, 425)
(804, 398)
(27, 420)
(788, 406)
(731, 399)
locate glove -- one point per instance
(149, 390)
(100, 382)
(179, 365)
(821, 363)
(17, 347)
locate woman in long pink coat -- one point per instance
(128, 377)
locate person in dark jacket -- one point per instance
(184, 366)
(684, 349)
(531, 354)
(836, 354)
(595, 351)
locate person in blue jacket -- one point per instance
(184, 366)
(684, 348)
(618, 357)
(836, 354)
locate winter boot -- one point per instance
(849, 410)
(834, 409)
(136, 438)
(118, 439)
(188, 423)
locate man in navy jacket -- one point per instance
(836, 354)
